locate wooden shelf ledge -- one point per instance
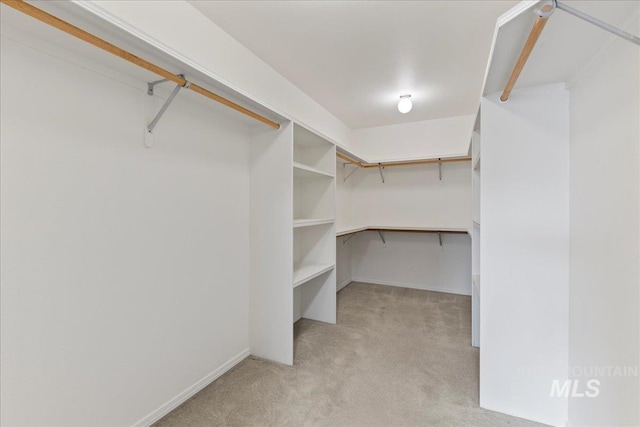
(297, 223)
(403, 163)
(401, 229)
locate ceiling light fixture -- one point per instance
(405, 104)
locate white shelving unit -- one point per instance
(293, 236)
(314, 207)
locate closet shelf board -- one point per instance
(303, 171)
(310, 222)
(305, 271)
(392, 228)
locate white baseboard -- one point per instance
(192, 390)
(411, 286)
(343, 284)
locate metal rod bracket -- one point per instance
(344, 165)
(381, 174)
(384, 242)
(590, 19)
(166, 104)
(440, 169)
(546, 13)
(151, 85)
(440, 239)
(347, 238)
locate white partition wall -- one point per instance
(271, 201)
(476, 164)
(604, 305)
(525, 253)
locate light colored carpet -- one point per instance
(397, 357)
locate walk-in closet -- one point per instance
(344, 213)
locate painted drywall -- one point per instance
(413, 196)
(271, 243)
(124, 269)
(410, 196)
(344, 219)
(525, 253)
(449, 137)
(413, 260)
(605, 279)
(196, 39)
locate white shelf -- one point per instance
(305, 271)
(476, 222)
(310, 222)
(303, 171)
(350, 230)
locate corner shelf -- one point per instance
(303, 171)
(305, 271)
(311, 222)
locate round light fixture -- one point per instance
(405, 104)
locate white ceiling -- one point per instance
(357, 58)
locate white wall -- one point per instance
(124, 269)
(413, 260)
(413, 196)
(196, 40)
(448, 137)
(410, 196)
(344, 219)
(605, 278)
(271, 243)
(525, 252)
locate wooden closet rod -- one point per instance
(419, 162)
(49, 19)
(536, 30)
(407, 163)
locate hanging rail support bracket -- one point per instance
(344, 165)
(166, 104)
(598, 23)
(347, 238)
(440, 239)
(381, 175)
(440, 169)
(150, 85)
(384, 242)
